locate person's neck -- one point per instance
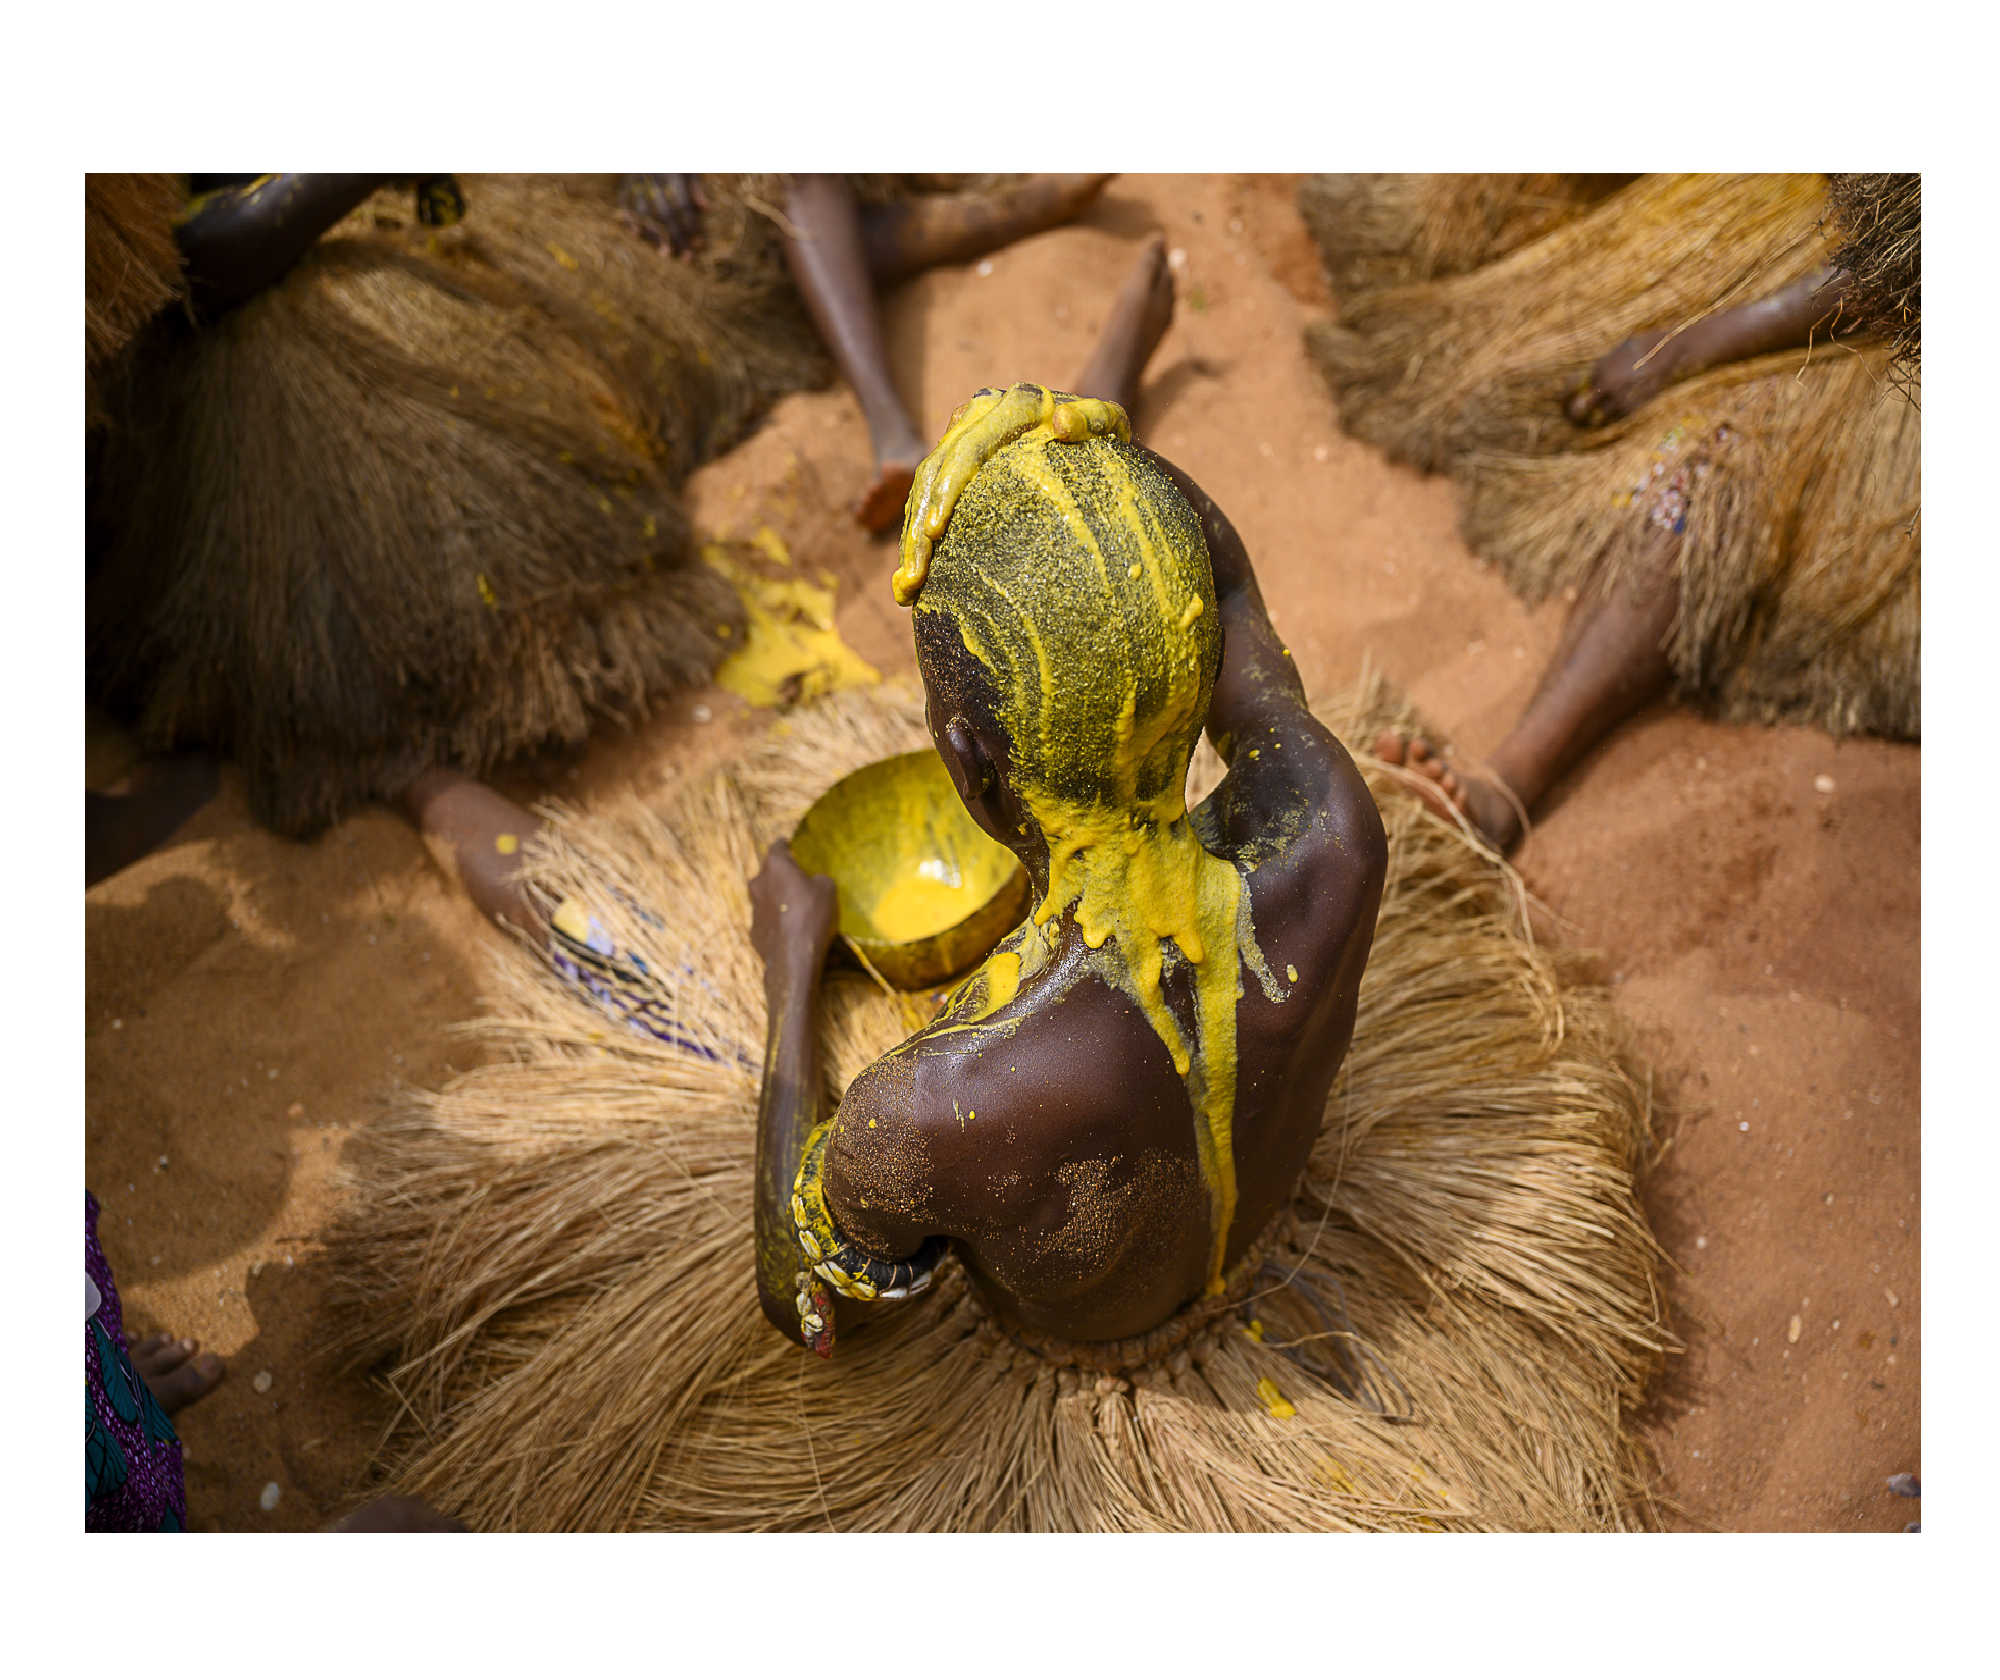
(1119, 866)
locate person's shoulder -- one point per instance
(1295, 798)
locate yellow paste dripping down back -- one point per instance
(1078, 577)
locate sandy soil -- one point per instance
(249, 1001)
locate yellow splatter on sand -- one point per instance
(791, 652)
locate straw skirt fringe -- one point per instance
(417, 502)
(131, 267)
(1483, 360)
(1797, 493)
(1391, 230)
(551, 1258)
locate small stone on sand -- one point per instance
(1905, 1484)
(1823, 784)
(297, 1111)
(270, 1496)
(1792, 1330)
(261, 1382)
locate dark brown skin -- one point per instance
(474, 821)
(242, 239)
(172, 1369)
(1612, 660)
(1055, 1143)
(840, 253)
(1635, 372)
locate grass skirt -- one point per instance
(1483, 360)
(551, 1257)
(131, 265)
(1390, 230)
(1793, 480)
(1797, 495)
(416, 503)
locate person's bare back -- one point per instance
(1109, 1112)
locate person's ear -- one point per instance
(971, 770)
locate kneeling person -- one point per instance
(1109, 1112)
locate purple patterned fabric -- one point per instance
(132, 1458)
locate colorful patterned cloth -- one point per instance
(131, 1457)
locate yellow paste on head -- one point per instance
(1077, 575)
(976, 431)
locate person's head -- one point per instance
(1067, 636)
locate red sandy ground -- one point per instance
(248, 999)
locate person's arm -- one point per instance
(1634, 372)
(1281, 758)
(241, 239)
(1258, 685)
(793, 917)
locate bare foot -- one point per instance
(168, 1367)
(881, 506)
(1451, 795)
(1625, 379)
(1138, 321)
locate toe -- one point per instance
(1389, 747)
(157, 1356)
(187, 1384)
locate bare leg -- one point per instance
(1633, 373)
(1138, 321)
(919, 233)
(1612, 661)
(831, 269)
(487, 834)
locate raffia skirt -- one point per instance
(549, 1261)
(417, 503)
